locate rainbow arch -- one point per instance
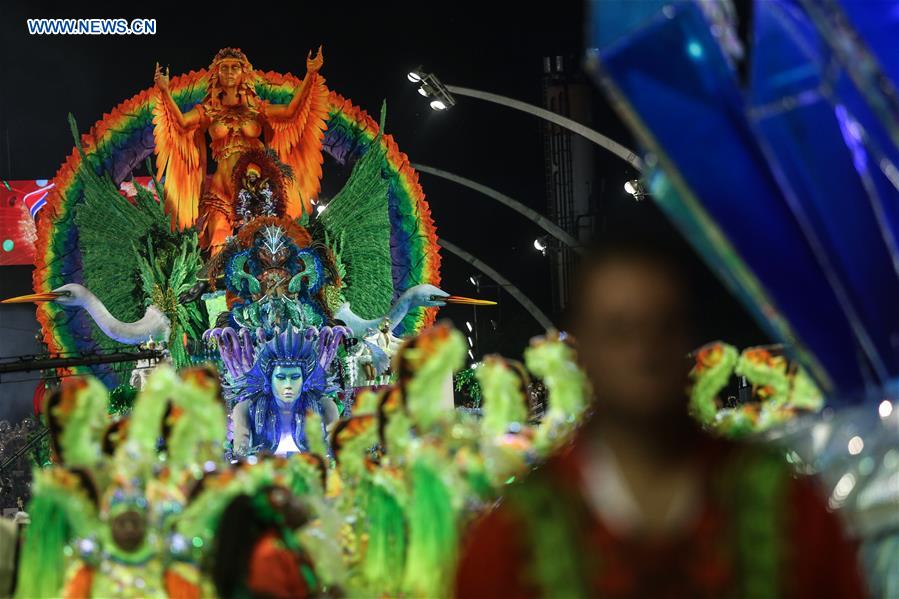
(123, 138)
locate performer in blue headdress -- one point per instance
(288, 378)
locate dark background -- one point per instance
(369, 47)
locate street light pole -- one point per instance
(596, 137)
(500, 280)
(442, 96)
(534, 216)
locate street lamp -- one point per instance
(541, 244)
(415, 76)
(635, 188)
(443, 98)
(431, 87)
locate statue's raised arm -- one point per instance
(180, 153)
(297, 132)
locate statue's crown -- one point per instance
(234, 53)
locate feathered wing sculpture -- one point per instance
(358, 220)
(108, 226)
(131, 258)
(122, 140)
(181, 161)
(298, 143)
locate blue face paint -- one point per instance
(287, 382)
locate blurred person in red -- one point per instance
(643, 503)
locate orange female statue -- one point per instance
(237, 121)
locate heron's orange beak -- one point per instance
(34, 297)
(467, 301)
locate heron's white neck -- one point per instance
(153, 324)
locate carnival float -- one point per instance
(312, 369)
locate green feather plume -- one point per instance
(433, 532)
(358, 219)
(80, 437)
(710, 382)
(385, 553)
(425, 390)
(504, 402)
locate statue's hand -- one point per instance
(314, 63)
(161, 79)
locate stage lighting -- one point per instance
(473, 280)
(430, 86)
(320, 208)
(540, 244)
(468, 324)
(470, 342)
(636, 189)
(470, 354)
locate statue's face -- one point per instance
(286, 383)
(230, 73)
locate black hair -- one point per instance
(239, 529)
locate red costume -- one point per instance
(276, 571)
(745, 540)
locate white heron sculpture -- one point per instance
(153, 325)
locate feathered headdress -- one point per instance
(290, 348)
(247, 88)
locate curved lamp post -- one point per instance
(500, 280)
(532, 215)
(442, 98)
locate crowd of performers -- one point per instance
(614, 491)
(148, 505)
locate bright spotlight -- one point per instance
(473, 280)
(636, 189)
(470, 342)
(320, 208)
(438, 105)
(470, 354)
(423, 91)
(413, 76)
(539, 245)
(468, 324)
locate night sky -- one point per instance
(368, 49)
